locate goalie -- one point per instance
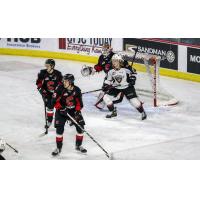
(121, 80)
(104, 64)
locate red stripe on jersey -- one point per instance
(57, 105)
(39, 83)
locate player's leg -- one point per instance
(131, 95)
(59, 125)
(50, 112)
(118, 98)
(79, 135)
(108, 99)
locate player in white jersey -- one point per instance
(121, 80)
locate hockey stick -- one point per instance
(134, 56)
(15, 150)
(106, 153)
(45, 112)
(92, 91)
(45, 117)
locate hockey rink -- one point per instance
(168, 132)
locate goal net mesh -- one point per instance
(149, 82)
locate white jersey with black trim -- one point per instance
(118, 78)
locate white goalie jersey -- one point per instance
(118, 78)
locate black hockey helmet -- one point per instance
(69, 77)
(50, 62)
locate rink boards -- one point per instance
(93, 59)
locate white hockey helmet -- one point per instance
(117, 61)
(117, 57)
(2, 145)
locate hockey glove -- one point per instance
(77, 115)
(43, 92)
(106, 87)
(132, 80)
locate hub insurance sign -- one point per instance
(28, 43)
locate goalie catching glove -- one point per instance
(87, 70)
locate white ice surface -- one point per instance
(168, 133)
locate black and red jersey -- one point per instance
(104, 63)
(47, 81)
(65, 98)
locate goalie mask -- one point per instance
(117, 61)
(106, 49)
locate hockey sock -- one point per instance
(79, 139)
(111, 107)
(59, 141)
(50, 115)
(140, 109)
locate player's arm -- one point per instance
(131, 78)
(55, 101)
(60, 78)
(40, 83)
(98, 67)
(78, 99)
(108, 82)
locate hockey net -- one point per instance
(149, 82)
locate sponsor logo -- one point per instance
(84, 45)
(24, 42)
(194, 59)
(170, 55)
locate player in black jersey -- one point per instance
(67, 99)
(47, 81)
